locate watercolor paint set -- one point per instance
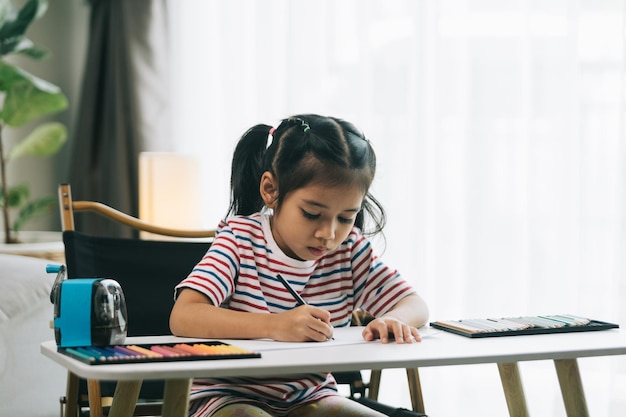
(162, 352)
(526, 325)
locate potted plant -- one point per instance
(25, 98)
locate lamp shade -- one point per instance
(169, 191)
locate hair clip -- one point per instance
(304, 124)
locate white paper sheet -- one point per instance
(343, 336)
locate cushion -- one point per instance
(25, 284)
(31, 384)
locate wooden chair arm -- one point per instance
(136, 223)
(68, 206)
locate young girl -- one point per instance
(298, 209)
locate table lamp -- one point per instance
(169, 191)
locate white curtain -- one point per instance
(499, 129)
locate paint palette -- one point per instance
(514, 326)
(162, 352)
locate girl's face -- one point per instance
(315, 219)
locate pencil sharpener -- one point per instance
(87, 311)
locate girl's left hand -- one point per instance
(386, 326)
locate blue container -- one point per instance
(88, 311)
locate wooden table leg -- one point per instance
(71, 395)
(374, 384)
(125, 398)
(176, 397)
(95, 398)
(415, 390)
(513, 390)
(571, 387)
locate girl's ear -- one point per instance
(269, 189)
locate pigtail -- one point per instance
(247, 169)
(377, 218)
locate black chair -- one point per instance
(148, 271)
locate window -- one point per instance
(499, 129)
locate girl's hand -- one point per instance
(384, 327)
(303, 324)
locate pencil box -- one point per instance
(158, 352)
(526, 325)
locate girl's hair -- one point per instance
(305, 149)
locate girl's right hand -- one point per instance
(303, 324)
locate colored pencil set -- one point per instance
(511, 326)
(98, 355)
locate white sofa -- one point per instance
(30, 383)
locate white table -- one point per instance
(348, 352)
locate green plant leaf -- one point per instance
(28, 48)
(34, 209)
(45, 140)
(15, 24)
(18, 195)
(5, 7)
(27, 96)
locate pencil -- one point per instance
(299, 300)
(86, 357)
(293, 292)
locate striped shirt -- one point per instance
(239, 272)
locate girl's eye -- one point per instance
(310, 216)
